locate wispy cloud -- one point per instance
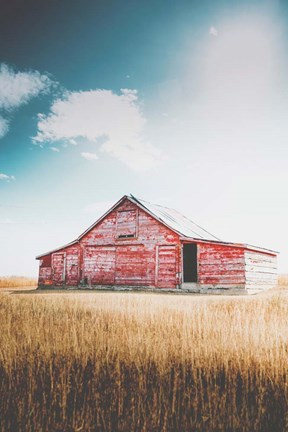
(213, 31)
(6, 177)
(4, 126)
(101, 113)
(89, 156)
(55, 149)
(17, 88)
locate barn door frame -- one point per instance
(63, 280)
(195, 271)
(157, 262)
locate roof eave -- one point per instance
(241, 245)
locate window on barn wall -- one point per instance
(126, 224)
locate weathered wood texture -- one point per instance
(260, 271)
(129, 247)
(60, 268)
(121, 250)
(130, 260)
(221, 265)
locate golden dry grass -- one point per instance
(283, 280)
(16, 281)
(143, 362)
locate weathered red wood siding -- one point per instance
(130, 247)
(60, 268)
(109, 254)
(45, 271)
(221, 265)
(72, 269)
(109, 259)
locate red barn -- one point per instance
(139, 244)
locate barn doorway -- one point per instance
(190, 273)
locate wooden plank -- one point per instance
(99, 265)
(220, 264)
(58, 268)
(252, 269)
(134, 265)
(207, 268)
(253, 257)
(232, 261)
(166, 276)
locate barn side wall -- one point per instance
(220, 265)
(261, 271)
(45, 272)
(221, 269)
(60, 268)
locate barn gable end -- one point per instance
(122, 248)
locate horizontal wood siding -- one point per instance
(148, 253)
(135, 257)
(166, 266)
(45, 274)
(261, 271)
(99, 265)
(221, 265)
(58, 267)
(72, 265)
(126, 223)
(135, 265)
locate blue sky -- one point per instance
(181, 103)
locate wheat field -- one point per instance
(143, 362)
(17, 281)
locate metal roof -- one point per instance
(176, 221)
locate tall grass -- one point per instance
(283, 280)
(16, 281)
(132, 362)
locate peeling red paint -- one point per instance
(131, 247)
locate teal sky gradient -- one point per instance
(211, 78)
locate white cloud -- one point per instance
(213, 31)
(17, 88)
(89, 156)
(6, 177)
(55, 149)
(101, 113)
(4, 127)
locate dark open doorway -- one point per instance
(190, 262)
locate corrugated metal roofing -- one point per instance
(177, 221)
